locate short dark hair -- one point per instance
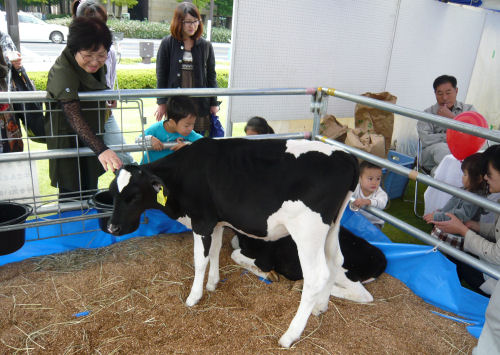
(88, 33)
(491, 156)
(259, 125)
(179, 107)
(474, 166)
(367, 165)
(180, 13)
(444, 79)
(91, 8)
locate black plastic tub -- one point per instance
(102, 201)
(12, 213)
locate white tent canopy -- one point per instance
(360, 46)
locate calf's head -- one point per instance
(134, 190)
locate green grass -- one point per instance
(153, 60)
(402, 208)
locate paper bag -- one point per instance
(369, 142)
(333, 129)
(374, 120)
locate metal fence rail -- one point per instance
(318, 107)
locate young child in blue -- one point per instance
(177, 127)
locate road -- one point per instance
(35, 53)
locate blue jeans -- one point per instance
(113, 136)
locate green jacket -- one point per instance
(66, 79)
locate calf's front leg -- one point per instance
(200, 265)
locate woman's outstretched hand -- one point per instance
(110, 160)
(160, 111)
(453, 225)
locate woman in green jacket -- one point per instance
(79, 68)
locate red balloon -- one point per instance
(462, 144)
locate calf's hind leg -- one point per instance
(309, 233)
(213, 255)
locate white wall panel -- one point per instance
(296, 43)
(484, 87)
(432, 38)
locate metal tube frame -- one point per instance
(318, 107)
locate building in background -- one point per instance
(163, 10)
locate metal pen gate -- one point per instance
(45, 204)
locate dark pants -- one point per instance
(473, 277)
(86, 184)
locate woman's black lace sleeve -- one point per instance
(72, 111)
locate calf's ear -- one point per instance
(157, 183)
(161, 190)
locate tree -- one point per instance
(224, 7)
(200, 4)
(120, 3)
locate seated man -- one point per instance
(432, 136)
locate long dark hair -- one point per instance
(180, 13)
(259, 125)
(474, 166)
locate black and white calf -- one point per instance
(363, 261)
(264, 189)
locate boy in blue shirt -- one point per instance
(177, 127)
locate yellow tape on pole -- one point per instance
(330, 91)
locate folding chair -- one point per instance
(419, 169)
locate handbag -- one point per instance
(10, 133)
(216, 129)
(29, 113)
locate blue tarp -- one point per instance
(428, 273)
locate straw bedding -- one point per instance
(134, 292)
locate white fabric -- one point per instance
(448, 171)
(489, 341)
(484, 93)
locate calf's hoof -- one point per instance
(286, 341)
(354, 292)
(192, 300)
(211, 286)
(319, 308)
(273, 276)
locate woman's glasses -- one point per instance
(191, 23)
(90, 57)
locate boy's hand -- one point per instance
(111, 103)
(214, 109)
(361, 202)
(156, 144)
(429, 217)
(179, 145)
